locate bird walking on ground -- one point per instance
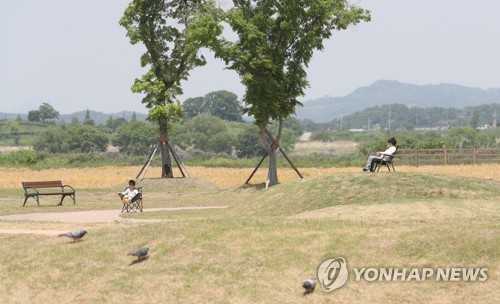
(75, 234)
(309, 285)
(140, 253)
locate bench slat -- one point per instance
(52, 193)
(43, 184)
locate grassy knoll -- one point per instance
(260, 248)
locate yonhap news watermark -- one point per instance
(334, 273)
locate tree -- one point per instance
(135, 138)
(248, 143)
(223, 104)
(474, 121)
(34, 116)
(172, 33)
(87, 121)
(208, 133)
(47, 112)
(275, 43)
(193, 107)
(85, 139)
(110, 122)
(52, 140)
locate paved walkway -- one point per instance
(83, 217)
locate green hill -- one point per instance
(361, 188)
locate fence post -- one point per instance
(474, 156)
(445, 156)
(416, 157)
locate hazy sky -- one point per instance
(74, 55)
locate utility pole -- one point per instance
(389, 117)
(416, 118)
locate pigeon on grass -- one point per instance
(75, 234)
(309, 285)
(140, 253)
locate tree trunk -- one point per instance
(271, 145)
(272, 174)
(166, 161)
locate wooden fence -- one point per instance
(446, 156)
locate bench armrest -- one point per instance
(68, 187)
(28, 189)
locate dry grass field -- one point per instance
(260, 248)
(106, 177)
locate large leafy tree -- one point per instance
(204, 132)
(44, 112)
(172, 33)
(275, 42)
(135, 138)
(223, 104)
(47, 112)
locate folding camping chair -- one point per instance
(388, 161)
(135, 205)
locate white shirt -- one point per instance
(389, 151)
(130, 194)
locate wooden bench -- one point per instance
(32, 189)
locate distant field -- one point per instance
(308, 147)
(13, 148)
(105, 177)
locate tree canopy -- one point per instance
(222, 104)
(44, 112)
(171, 53)
(276, 42)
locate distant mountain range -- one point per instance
(390, 92)
(328, 108)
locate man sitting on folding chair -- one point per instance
(380, 156)
(129, 193)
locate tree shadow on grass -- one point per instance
(254, 186)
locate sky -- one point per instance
(74, 55)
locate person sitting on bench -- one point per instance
(129, 193)
(391, 149)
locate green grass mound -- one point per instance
(362, 188)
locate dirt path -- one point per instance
(83, 217)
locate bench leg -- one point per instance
(64, 196)
(35, 197)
